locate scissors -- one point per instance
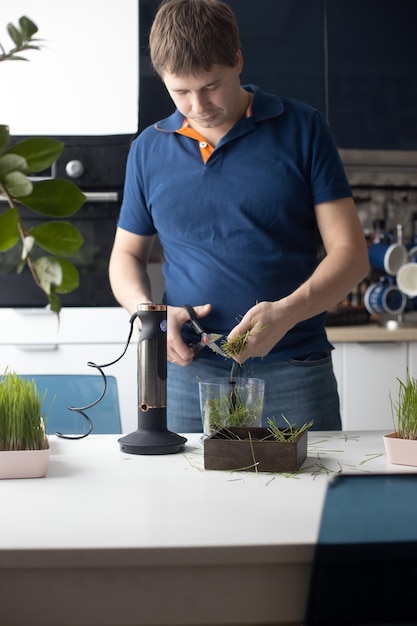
(206, 339)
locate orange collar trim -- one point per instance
(206, 149)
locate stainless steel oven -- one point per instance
(97, 166)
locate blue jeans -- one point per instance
(300, 389)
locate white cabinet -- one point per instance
(366, 373)
(33, 342)
(412, 359)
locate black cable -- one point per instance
(81, 409)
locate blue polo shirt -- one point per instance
(238, 228)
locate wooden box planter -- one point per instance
(253, 449)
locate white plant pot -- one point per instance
(400, 451)
(24, 463)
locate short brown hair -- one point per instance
(188, 36)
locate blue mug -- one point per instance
(388, 257)
(384, 298)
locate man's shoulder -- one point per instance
(167, 124)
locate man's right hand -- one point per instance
(178, 351)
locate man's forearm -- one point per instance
(335, 276)
(129, 281)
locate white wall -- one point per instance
(85, 80)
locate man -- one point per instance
(241, 187)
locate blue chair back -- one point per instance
(364, 567)
(59, 391)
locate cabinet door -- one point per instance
(282, 46)
(372, 73)
(370, 372)
(412, 359)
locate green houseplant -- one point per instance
(401, 445)
(24, 445)
(55, 199)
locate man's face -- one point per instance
(209, 99)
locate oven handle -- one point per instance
(92, 196)
(101, 196)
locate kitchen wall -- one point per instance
(85, 79)
(372, 73)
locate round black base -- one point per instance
(156, 442)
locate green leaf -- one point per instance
(17, 184)
(4, 136)
(28, 47)
(60, 238)
(39, 152)
(54, 302)
(70, 277)
(15, 57)
(55, 198)
(15, 35)
(9, 232)
(11, 163)
(28, 27)
(49, 272)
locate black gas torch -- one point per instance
(152, 435)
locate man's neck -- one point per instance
(214, 135)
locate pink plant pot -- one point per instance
(400, 451)
(24, 463)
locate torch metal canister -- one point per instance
(152, 435)
(152, 357)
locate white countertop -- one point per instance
(373, 332)
(105, 525)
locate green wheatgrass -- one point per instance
(232, 408)
(234, 346)
(21, 423)
(288, 434)
(404, 410)
(281, 435)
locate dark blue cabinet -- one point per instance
(282, 45)
(355, 60)
(372, 73)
